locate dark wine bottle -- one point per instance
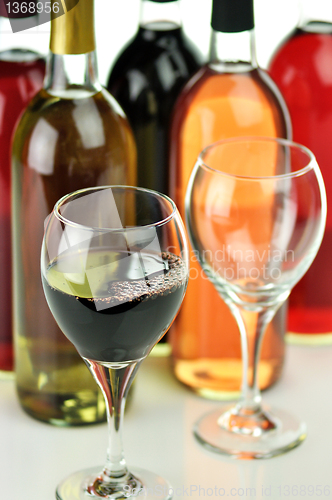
(301, 66)
(146, 80)
(72, 135)
(21, 77)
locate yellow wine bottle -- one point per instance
(72, 135)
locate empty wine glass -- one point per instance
(114, 268)
(256, 210)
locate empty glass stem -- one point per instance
(114, 379)
(248, 416)
(252, 325)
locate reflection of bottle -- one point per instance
(146, 80)
(72, 135)
(230, 96)
(301, 66)
(21, 76)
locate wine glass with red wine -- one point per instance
(114, 268)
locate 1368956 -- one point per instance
(25, 14)
(22, 8)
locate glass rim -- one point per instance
(312, 162)
(73, 194)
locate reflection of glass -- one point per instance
(256, 211)
(114, 270)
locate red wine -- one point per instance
(21, 76)
(110, 311)
(146, 80)
(301, 67)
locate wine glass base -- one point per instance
(288, 433)
(153, 487)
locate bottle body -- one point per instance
(60, 145)
(146, 80)
(21, 77)
(217, 104)
(301, 68)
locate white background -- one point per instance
(117, 20)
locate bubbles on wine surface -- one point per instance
(137, 295)
(158, 284)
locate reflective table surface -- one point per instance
(35, 457)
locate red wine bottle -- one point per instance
(21, 77)
(301, 67)
(146, 80)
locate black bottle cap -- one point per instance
(232, 16)
(163, 1)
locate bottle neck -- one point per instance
(72, 76)
(232, 52)
(314, 14)
(71, 69)
(160, 15)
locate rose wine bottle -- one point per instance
(301, 66)
(146, 79)
(21, 77)
(229, 96)
(72, 135)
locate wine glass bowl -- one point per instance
(256, 210)
(114, 268)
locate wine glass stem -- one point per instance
(114, 379)
(252, 325)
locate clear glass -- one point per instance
(114, 268)
(256, 211)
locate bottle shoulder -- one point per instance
(85, 124)
(300, 45)
(209, 84)
(47, 105)
(30, 69)
(61, 145)
(249, 100)
(25, 57)
(303, 62)
(159, 41)
(152, 56)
